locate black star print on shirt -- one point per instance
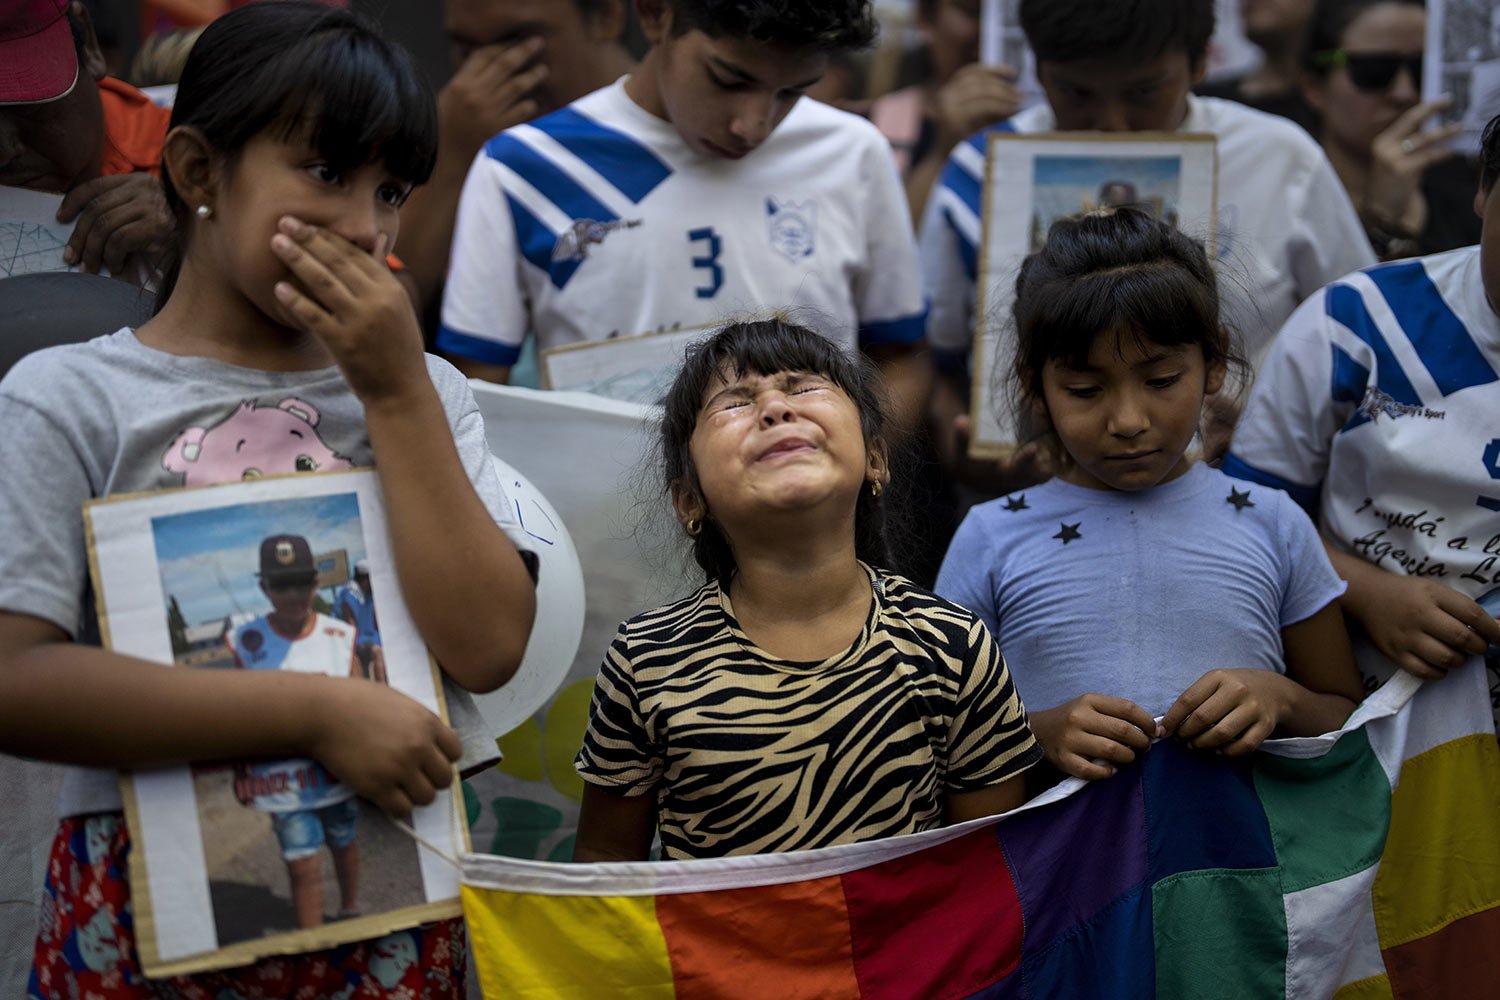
(1017, 503)
(1240, 500)
(1069, 532)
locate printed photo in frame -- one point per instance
(233, 862)
(1032, 181)
(1462, 60)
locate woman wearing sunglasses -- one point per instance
(1363, 76)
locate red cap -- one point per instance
(37, 59)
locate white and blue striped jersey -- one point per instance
(598, 220)
(1285, 225)
(1378, 409)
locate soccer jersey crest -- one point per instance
(794, 227)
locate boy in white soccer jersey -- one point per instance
(699, 187)
(1378, 410)
(1285, 226)
(308, 806)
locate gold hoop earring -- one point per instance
(694, 527)
(876, 487)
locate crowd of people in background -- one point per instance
(1204, 530)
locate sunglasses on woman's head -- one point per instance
(1373, 70)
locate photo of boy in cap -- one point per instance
(308, 806)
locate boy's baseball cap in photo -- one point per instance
(38, 62)
(286, 557)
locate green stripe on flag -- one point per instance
(1220, 933)
(1329, 814)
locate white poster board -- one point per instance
(1033, 180)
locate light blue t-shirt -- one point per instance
(1137, 594)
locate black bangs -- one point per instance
(1153, 303)
(764, 348)
(357, 109)
(311, 73)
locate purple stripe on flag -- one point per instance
(1072, 860)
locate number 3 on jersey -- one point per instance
(708, 261)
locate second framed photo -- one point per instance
(1033, 180)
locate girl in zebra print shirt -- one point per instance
(803, 696)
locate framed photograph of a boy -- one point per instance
(234, 861)
(1031, 181)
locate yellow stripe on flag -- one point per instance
(1442, 857)
(528, 946)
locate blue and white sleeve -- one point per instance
(1306, 389)
(485, 315)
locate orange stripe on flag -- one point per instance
(765, 943)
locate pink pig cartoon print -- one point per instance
(251, 442)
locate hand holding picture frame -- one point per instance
(1032, 181)
(232, 862)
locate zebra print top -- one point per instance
(750, 754)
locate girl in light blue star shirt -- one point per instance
(1139, 584)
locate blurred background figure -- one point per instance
(956, 97)
(1279, 29)
(67, 127)
(514, 60)
(1363, 64)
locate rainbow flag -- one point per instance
(1361, 864)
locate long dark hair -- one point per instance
(1122, 271)
(309, 72)
(765, 347)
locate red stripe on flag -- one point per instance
(941, 923)
(1458, 961)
